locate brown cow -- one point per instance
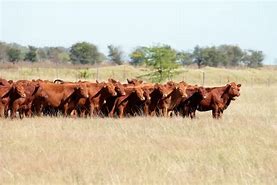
(119, 88)
(217, 99)
(194, 95)
(59, 95)
(8, 91)
(98, 93)
(172, 100)
(123, 103)
(24, 104)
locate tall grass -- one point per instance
(241, 148)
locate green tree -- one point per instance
(212, 56)
(84, 53)
(31, 55)
(163, 60)
(253, 58)
(197, 56)
(115, 54)
(184, 58)
(13, 55)
(138, 56)
(233, 55)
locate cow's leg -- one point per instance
(215, 112)
(121, 111)
(165, 111)
(146, 110)
(15, 107)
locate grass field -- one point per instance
(241, 148)
(213, 76)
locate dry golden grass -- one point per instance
(241, 148)
(213, 76)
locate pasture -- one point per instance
(240, 148)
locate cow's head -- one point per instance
(166, 89)
(83, 90)
(233, 89)
(119, 88)
(110, 88)
(139, 92)
(19, 89)
(181, 88)
(147, 93)
(202, 92)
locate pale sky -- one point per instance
(181, 24)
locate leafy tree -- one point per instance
(13, 55)
(197, 56)
(253, 58)
(212, 56)
(138, 56)
(184, 58)
(84, 53)
(163, 60)
(31, 55)
(233, 55)
(115, 54)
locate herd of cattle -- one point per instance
(111, 98)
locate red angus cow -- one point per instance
(98, 93)
(217, 99)
(123, 103)
(8, 91)
(119, 88)
(194, 95)
(172, 100)
(59, 95)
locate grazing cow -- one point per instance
(217, 99)
(172, 100)
(124, 103)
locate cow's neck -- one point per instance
(225, 95)
(101, 96)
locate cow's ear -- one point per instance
(239, 85)
(129, 81)
(97, 81)
(140, 81)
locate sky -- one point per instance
(128, 24)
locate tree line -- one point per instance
(160, 57)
